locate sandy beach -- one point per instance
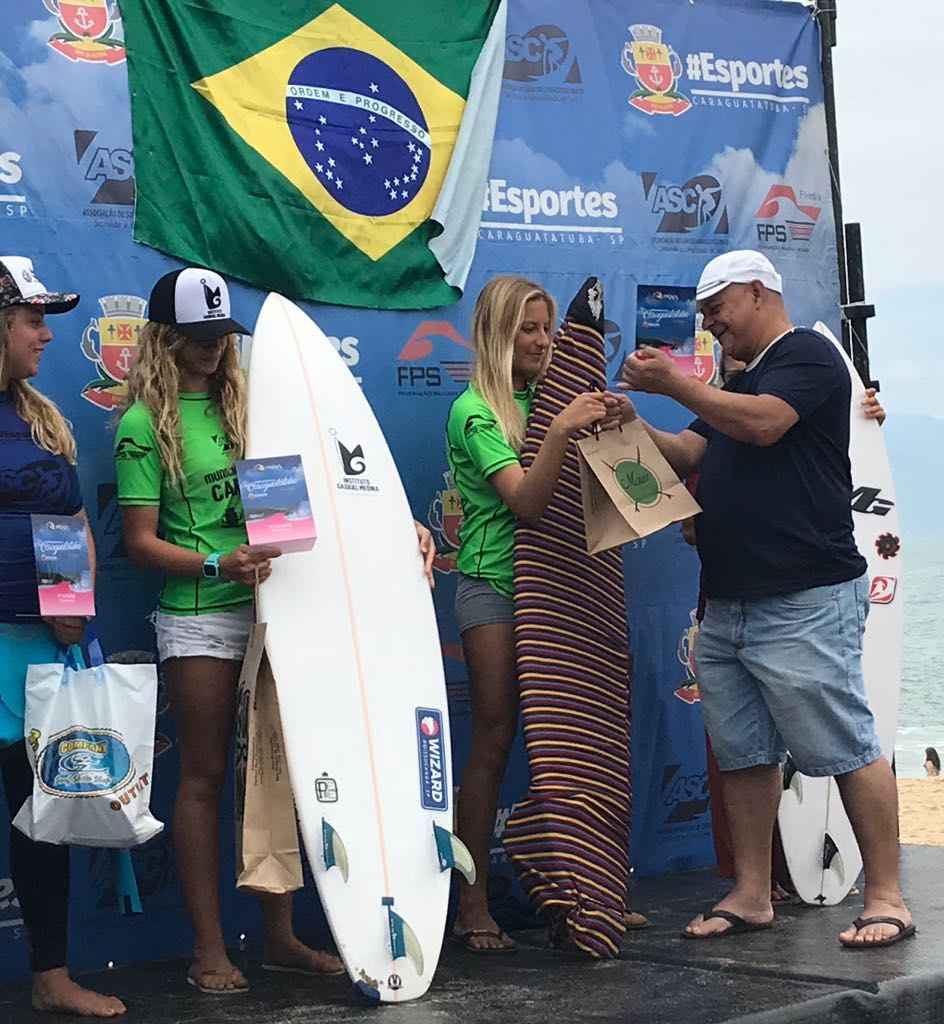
(921, 811)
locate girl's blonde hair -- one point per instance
(48, 427)
(497, 318)
(155, 381)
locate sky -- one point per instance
(889, 79)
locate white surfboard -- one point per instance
(818, 841)
(352, 640)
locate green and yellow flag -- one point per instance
(328, 151)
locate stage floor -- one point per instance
(660, 977)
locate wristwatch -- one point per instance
(211, 567)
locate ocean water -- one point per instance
(921, 712)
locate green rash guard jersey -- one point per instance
(204, 512)
(476, 450)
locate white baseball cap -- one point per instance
(19, 286)
(739, 267)
(196, 302)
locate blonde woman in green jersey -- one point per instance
(511, 334)
(182, 429)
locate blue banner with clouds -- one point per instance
(636, 140)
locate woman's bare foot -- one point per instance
(478, 931)
(294, 956)
(55, 992)
(216, 974)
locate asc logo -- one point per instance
(111, 343)
(543, 56)
(434, 788)
(656, 68)
(685, 797)
(694, 209)
(88, 30)
(419, 372)
(111, 173)
(782, 218)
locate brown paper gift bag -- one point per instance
(629, 490)
(267, 852)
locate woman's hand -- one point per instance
(427, 551)
(248, 566)
(582, 412)
(67, 629)
(872, 407)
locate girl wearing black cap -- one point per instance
(37, 475)
(183, 427)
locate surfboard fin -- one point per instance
(832, 858)
(335, 852)
(453, 854)
(403, 941)
(792, 779)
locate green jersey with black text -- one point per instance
(203, 512)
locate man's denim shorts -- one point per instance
(785, 673)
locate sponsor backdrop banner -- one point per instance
(635, 140)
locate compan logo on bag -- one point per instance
(89, 30)
(81, 762)
(111, 343)
(542, 62)
(434, 782)
(435, 360)
(576, 216)
(13, 201)
(657, 69)
(782, 218)
(638, 482)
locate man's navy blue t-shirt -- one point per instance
(779, 519)
(31, 480)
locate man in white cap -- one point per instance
(779, 652)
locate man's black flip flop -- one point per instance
(738, 925)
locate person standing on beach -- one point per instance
(784, 582)
(932, 763)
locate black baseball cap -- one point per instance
(19, 286)
(195, 302)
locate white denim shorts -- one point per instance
(214, 635)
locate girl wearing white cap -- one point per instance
(183, 427)
(37, 475)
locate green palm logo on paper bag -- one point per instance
(638, 482)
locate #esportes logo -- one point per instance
(656, 68)
(111, 343)
(88, 30)
(544, 55)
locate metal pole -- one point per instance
(857, 311)
(826, 15)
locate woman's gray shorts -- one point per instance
(478, 603)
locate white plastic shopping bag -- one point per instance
(90, 738)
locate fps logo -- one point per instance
(420, 373)
(694, 209)
(110, 173)
(783, 219)
(543, 56)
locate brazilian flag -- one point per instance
(328, 151)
